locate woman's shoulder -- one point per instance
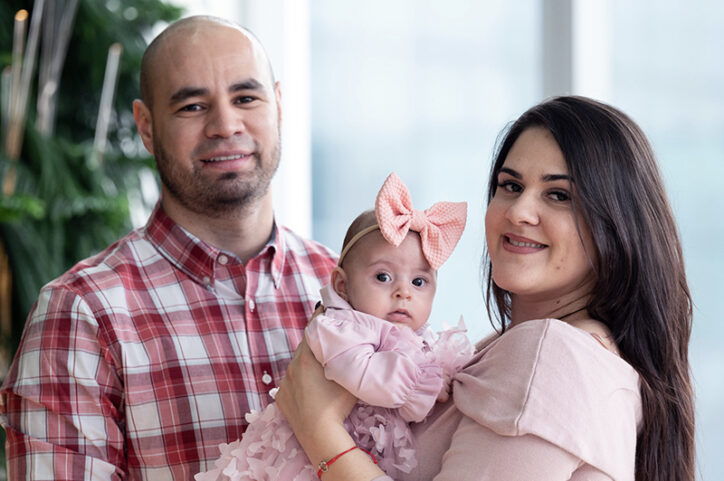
(544, 355)
(550, 379)
(546, 340)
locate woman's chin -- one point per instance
(516, 284)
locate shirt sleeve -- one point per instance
(61, 401)
(353, 355)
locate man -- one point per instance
(139, 361)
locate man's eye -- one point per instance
(419, 282)
(190, 108)
(245, 99)
(383, 277)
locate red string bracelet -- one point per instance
(324, 465)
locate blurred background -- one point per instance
(422, 88)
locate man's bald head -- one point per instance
(182, 29)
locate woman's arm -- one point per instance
(316, 409)
(476, 453)
(357, 353)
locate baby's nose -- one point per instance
(403, 291)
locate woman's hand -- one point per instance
(316, 409)
(309, 401)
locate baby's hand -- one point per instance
(446, 387)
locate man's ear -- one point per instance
(144, 124)
(278, 98)
(339, 282)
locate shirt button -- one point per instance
(251, 305)
(266, 378)
(206, 280)
(223, 259)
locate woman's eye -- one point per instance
(510, 186)
(383, 277)
(419, 282)
(559, 196)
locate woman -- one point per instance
(589, 375)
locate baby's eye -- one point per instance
(419, 282)
(383, 277)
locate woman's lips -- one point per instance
(521, 245)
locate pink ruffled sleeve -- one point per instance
(376, 361)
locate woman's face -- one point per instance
(530, 227)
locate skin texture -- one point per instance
(533, 236)
(214, 130)
(392, 283)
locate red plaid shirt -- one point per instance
(139, 361)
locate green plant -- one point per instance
(65, 203)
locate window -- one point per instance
(422, 89)
(668, 74)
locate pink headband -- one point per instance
(440, 226)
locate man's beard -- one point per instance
(227, 193)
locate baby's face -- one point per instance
(392, 283)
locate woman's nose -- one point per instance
(523, 210)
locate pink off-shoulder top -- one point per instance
(544, 401)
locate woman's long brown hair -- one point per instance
(641, 292)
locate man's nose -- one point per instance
(224, 121)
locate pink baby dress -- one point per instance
(397, 375)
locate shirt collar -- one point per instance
(330, 298)
(275, 252)
(197, 258)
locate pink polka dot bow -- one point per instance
(440, 226)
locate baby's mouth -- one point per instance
(399, 315)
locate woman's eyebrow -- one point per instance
(554, 177)
(545, 178)
(510, 172)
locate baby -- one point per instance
(372, 339)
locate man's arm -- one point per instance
(61, 400)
